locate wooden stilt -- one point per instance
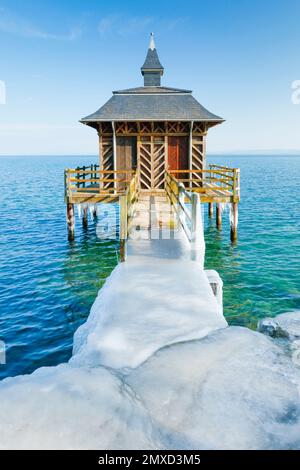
(210, 209)
(122, 250)
(219, 215)
(70, 221)
(234, 221)
(85, 217)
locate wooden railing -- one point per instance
(187, 206)
(221, 180)
(92, 181)
(231, 174)
(127, 204)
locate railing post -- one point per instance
(216, 284)
(123, 227)
(66, 179)
(236, 184)
(78, 177)
(181, 198)
(234, 205)
(83, 176)
(197, 236)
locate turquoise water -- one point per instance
(261, 273)
(48, 284)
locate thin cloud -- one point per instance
(7, 128)
(12, 24)
(107, 23)
(124, 25)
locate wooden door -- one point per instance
(178, 154)
(126, 157)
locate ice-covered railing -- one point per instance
(187, 206)
(127, 203)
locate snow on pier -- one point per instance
(156, 367)
(159, 296)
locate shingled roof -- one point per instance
(152, 61)
(152, 103)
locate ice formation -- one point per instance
(283, 325)
(65, 407)
(156, 367)
(233, 389)
(138, 312)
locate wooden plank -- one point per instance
(72, 170)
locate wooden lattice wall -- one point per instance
(198, 149)
(151, 162)
(106, 157)
(152, 147)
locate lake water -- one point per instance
(48, 284)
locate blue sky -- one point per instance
(60, 60)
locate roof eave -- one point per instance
(89, 121)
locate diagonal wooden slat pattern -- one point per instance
(197, 156)
(106, 160)
(158, 164)
(151, 157)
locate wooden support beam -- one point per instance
(70, 221)
(233, 221)
(191, 149)
(85, 216)
(219, 215)
(210, 209)
(114, 148)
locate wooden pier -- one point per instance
(183, 189)
(152, 141)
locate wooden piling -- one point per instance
(70, 221)
(234, 221)
(219, 215)
(85, 216)
(210, 209)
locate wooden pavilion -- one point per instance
(157, 135)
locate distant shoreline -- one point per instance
(266, 153)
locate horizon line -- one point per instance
(219, 153)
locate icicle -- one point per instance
(231, 217)
(224, 206)
(91, 210)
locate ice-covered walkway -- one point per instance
(156, 298)
(156, 367)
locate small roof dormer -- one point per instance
(152, 70)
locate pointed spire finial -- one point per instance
(152, 43)
(152, 70)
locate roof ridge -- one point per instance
(151, 90)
